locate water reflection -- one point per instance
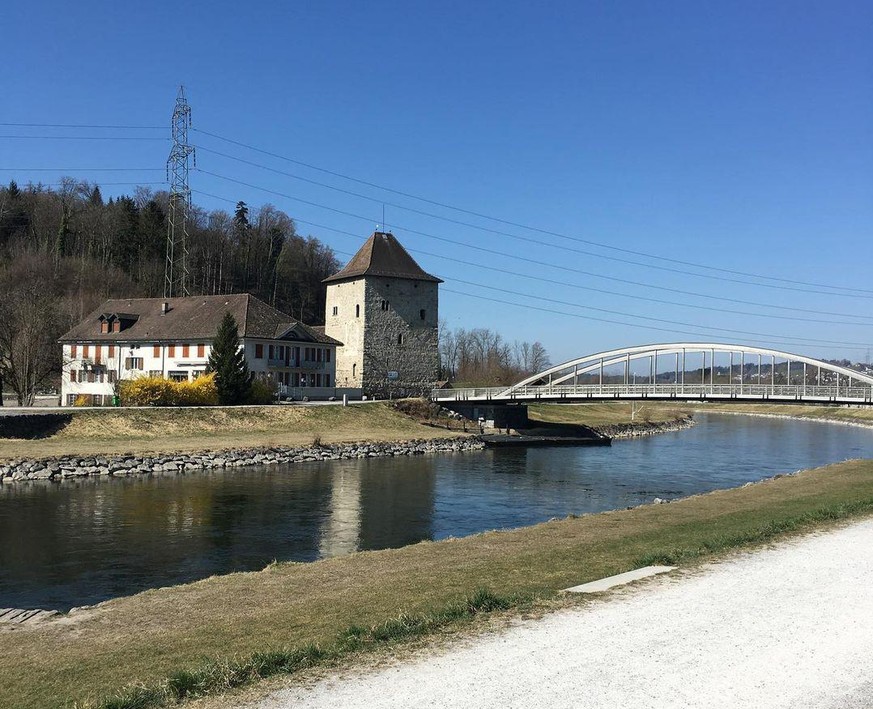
(86, 540)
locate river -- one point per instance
(85, 540)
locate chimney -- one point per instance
(165, 308)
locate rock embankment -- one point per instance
(84, 466)
(644, 428)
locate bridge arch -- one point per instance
(570, 370)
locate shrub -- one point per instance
(262, 391)
(157, 391)
(82, 400)
(198, 392)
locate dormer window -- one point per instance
(104, 326)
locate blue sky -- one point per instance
(734, 135)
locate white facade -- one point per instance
(92, 369)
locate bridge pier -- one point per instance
(495, 415)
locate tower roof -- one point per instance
(382, 255)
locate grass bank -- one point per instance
(662, 412)
(607, 414)
(231, 629)
(172, 430)
(838, 414)
(177, 430)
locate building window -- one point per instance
(133, 363)
(384, 305)
(116, 326)
(335, 310)
(73, 349)
(104, 326)
(73, 375)
(186, 350)
(71, 399)
(421, 313)
(327, 380)
(156, 373)
(201, 350)
(178, 376)
(91, 378)
(271, 352)
(327, 355)
(259, 351)
(111, 351)
(357, 311)
(171, 350)
(156, 351)
(113, 376)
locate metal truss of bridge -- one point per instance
(686, 370)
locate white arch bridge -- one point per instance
(685, 370)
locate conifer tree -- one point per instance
(232, 377)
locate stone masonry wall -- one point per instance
(398, 339)
(347, 328)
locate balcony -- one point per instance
(307, 364)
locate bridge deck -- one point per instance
(783, 393)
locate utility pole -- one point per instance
(176, 274)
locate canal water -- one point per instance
(83, 541)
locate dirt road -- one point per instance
(788, 626)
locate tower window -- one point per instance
(421, 313)
(335, 310)
(357, 311)
(384, 305)
(400, 339)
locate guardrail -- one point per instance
(751, 392)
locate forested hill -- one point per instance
(91, 248)
(65, 249)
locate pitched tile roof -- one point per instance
(192, 318)
(382, 255)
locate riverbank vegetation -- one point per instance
(168, 430)
(226, 630)
(604, 414)
(607, 414)
(839, 414)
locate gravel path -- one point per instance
(789, 626)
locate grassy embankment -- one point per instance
(607, 414)
(301, 614)
(838, 414)
(158, 430)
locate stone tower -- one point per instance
(384, 309)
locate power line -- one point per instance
(592, 318)
(498, 232)
(551, 281)
(784, 338)
(81, 137)
(513, 256)
(807, 340)
(81, 125)
(82, 169)
(519, 225)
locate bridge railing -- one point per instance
(799, 392)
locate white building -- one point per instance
(128, 338)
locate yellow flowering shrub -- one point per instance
(157, 391)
